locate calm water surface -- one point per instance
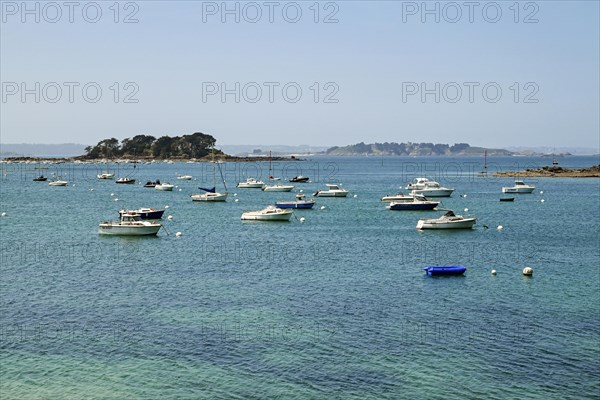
(335, 307)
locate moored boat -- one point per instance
(445, 270)
(397, 197)
(447, 221)
(415, 203)
(129, 225)
(278, 188)
(105, 175)
(144, 213)
(40, 178)
(271, 213)
(332, 191)
(300, 203)
(58, 182)
(520, 187)
(125, 181)
(165, 186)
(185, 177)
(151, 184)
(428, 188)
(300, 179)
(251, 183)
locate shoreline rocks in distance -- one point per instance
(555, 172)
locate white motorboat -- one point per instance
(126, 181)
(447, 221)
(165, 186)
(333, 191)
(415, 203)
(210, 196)
(271, 213)
(519, 187)
(105, 175)
(428, 188)
(397, 197)
(185, 177)
(129, 225)
(278, 188)
(57, 182)
(251, 183)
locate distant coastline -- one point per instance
(554, 172)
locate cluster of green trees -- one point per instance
(196, 145)
(400, 149)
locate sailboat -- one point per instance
(484, 171)
(211, 194)
(271, 177)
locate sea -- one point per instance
(331, 305)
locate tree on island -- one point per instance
(196, 145)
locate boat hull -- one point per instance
(296, 204)
(244, 185)
(138, 230)
(445, 271)
(518, 190)
(433, 192)
(210, 197)
(300, 179)
(126, 182)
(281, 188)
(155, 214)
(466, 223)
(326, 193)
(257, 216)
(168, 188)
(57, 183)
(413, 206)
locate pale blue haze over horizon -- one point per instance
(371, 55)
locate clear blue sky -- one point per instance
(374, 55)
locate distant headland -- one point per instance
(414, 149)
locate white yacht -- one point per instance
(447, 221)
(165, 186)
(519, 187)
(428, 188)
(251, 183)
(278, 188)
(129, 225)
(332, 191)
(270, 213)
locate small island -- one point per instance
(194, 147)
(414, 149)
(555, 172)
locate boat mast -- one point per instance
(270, 165)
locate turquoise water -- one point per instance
(335, 307)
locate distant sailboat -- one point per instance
(484, 171)
(271, 177)
(211, 194)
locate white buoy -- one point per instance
(116, 199)
(166, 207)
(355, 196)
(3, 214)
(493, 272)
(528, 271)
(112, 194)
(236, 200)
(73, 184)
(235, 195)
(178, 234)
(302, 219)
(541, 192)
(170, 218)
(301, 190)
(322, 207)
(500, 227)
(466, 210)
(92, 189)
(180, 190)
(542, 200)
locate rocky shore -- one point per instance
(227, 158)
(555, 172)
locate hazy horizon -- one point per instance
(325, 73)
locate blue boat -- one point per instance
(300, 203)
(144, 213)
(445, 270)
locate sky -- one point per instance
(492, 74)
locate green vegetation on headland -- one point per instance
(413, 149)
(555, 172)
(196, 145)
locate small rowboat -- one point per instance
(445, 270)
